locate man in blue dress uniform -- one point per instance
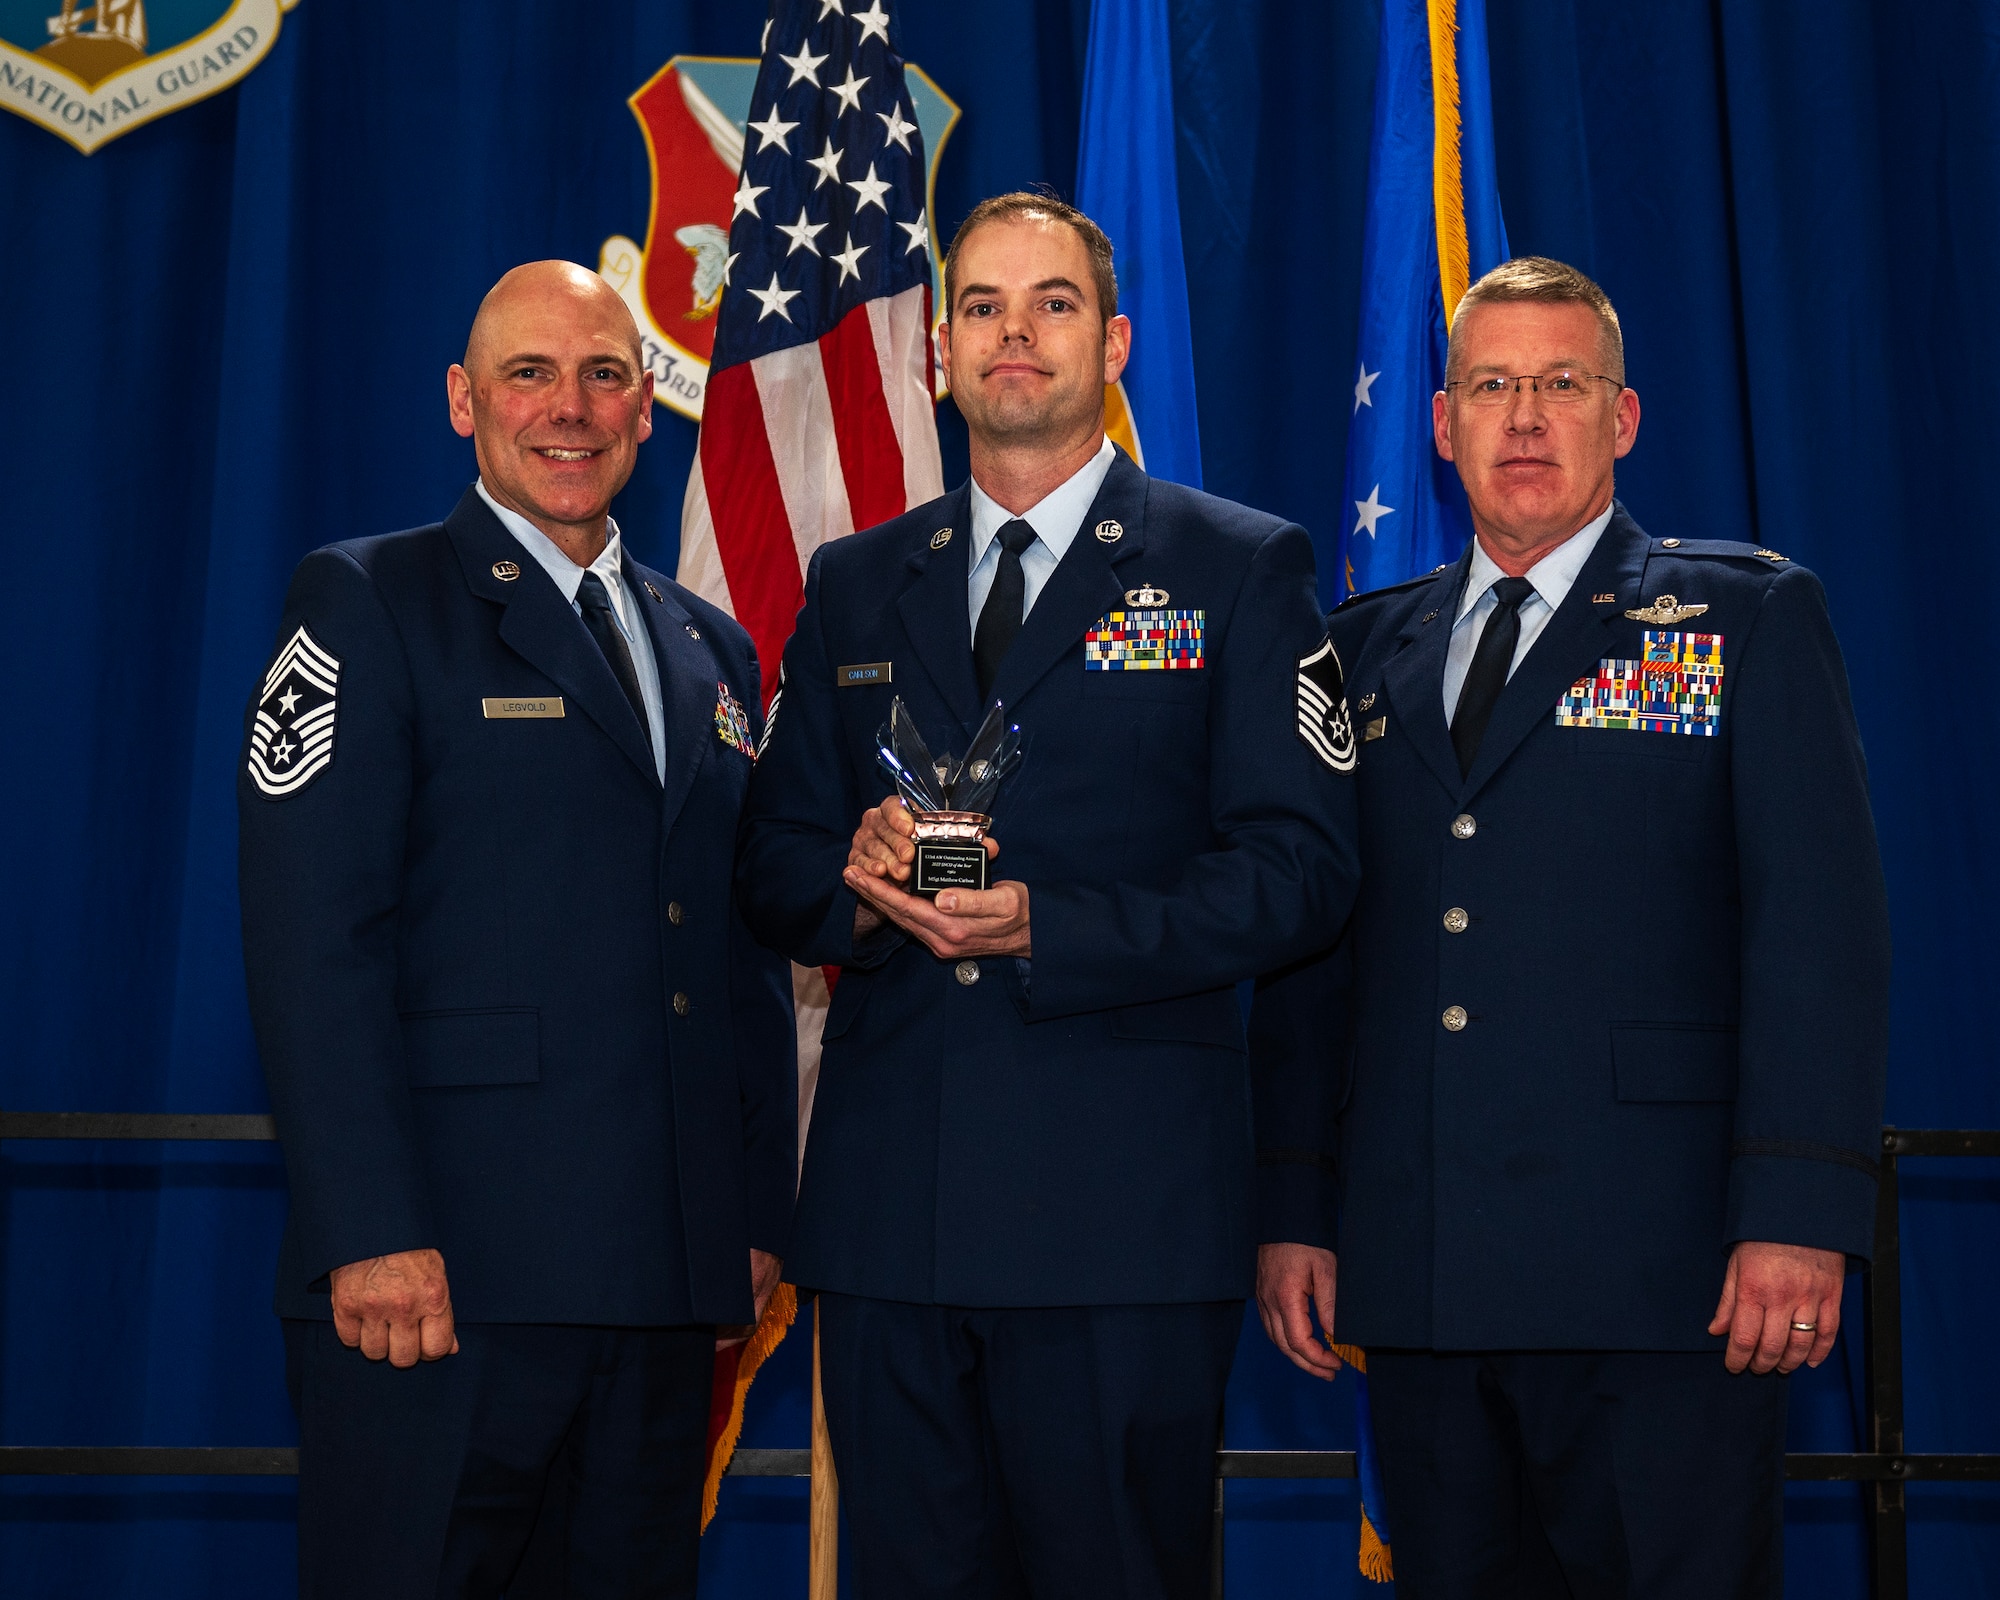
(1026, 1195)
(534, 1081)
(1587, 1098)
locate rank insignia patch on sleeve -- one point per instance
(732, 722)
(291, 739)
(1324, 722)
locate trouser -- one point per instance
(1598, 1475)
(1047, 1452)
(426, 1483)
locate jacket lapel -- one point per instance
(1413, 678)
(539, 626)
(1084, 586)
(1577, 637)
(933, 608)
(690, 681)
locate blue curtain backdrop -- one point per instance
(227, 333)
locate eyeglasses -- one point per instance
(1561, 387)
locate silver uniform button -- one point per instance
(1456, 921)
(1454, 1019)
(967, 973)
(674, 913)
(681, 1006)
(1462, 826)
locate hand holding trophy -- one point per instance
(949, 799)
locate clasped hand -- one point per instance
(959, 923)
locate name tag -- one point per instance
(496, 707)
(863, 673)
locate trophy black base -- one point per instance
(943, 865)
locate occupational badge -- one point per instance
(1674, 687)
(1324, 722)
(291, 736)
(694, 115)
(1151, 640)
(1666, 611)
(92, 72)
(732, 722)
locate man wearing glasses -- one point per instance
(1601, 1053)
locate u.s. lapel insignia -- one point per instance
(291, 737)
(1110, 531)
(1665, 611)
(1604, 599)
(941, 538)
(655, 593)
(1324, 723)
(732, 722)
(1146, 596)
(506, 571)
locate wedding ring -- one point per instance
(1805, 1327)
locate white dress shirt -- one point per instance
(610, 569)
(1056, 518)
(1553, 576)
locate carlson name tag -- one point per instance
(497, 707)
(863, 673)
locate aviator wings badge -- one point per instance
(1665, 612)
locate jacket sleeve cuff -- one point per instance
(1824, 1202)
(1297, 1200)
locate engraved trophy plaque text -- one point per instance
(949, 799)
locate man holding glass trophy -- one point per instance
(1058, 760)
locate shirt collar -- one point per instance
(567, 574)
(1056, 517)
(1553, 575)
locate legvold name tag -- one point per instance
(863, 673)
(547, 706)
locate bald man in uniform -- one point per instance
(533, 1080)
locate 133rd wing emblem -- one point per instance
(1323, 720)
(291, 739)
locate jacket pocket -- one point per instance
(1212, 1017)
(849, 994)
(460, 1049)
(1674, 1061)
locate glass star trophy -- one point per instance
(949, 799)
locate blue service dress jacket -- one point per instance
(1073, 1129)
(505, 1006)
(1611, 1003)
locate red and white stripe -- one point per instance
(802, 446)
(799, 447)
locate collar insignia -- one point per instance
(941, 538)
(506, 571)
(1110, 531)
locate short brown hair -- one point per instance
(1537, 278)
(1022, 203)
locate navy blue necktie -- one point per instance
(1000, 617)
(1487, 675)
(602, 622)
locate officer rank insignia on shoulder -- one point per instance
(1675, 687)
(1148, 640)
(291, 738)
(732, 722)
(1324, 722)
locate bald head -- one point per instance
(538, 286)
(556, 397)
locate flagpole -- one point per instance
(823, 1521)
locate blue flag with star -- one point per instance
(1433, 228)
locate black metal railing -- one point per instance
(1885, 1467)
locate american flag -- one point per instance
(818, 417)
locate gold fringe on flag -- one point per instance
(1375, 1565)
(778, 1317)
(1447, 176)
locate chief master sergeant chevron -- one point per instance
(534, 1081)
(1600, 1061)
(1026, 1195)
